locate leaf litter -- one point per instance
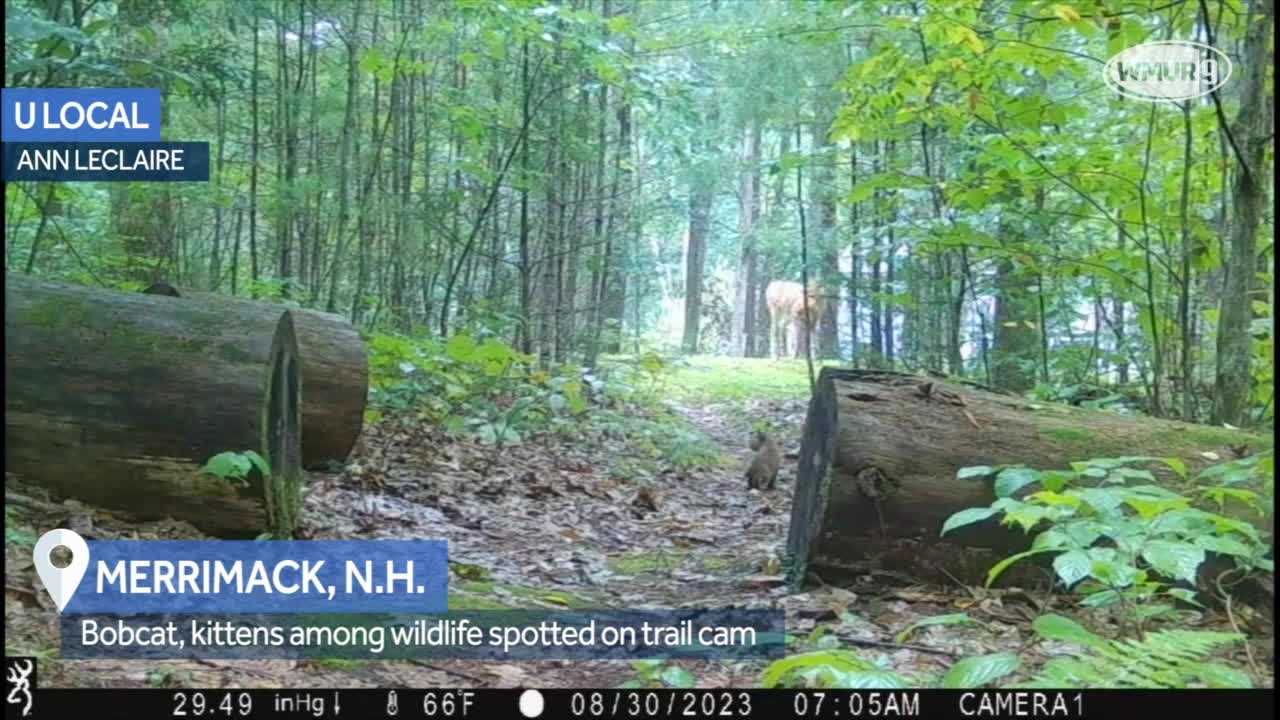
(551, 522)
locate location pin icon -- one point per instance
(61, 582)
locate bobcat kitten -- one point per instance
(763, 472)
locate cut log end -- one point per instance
(817, 447)
(119, 399)
(333, 366)
(282, 431)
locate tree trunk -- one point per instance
(1252, 134)
(743, 330)
(877, 220)
(334, 368)
(344, 164)
(526, 261)
(695, 264)
(823, 192)
(855, 259)
(118, 399)
(621, 207)
(1016, 339)
(878, 462)
(253, 168)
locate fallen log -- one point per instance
(878, 463)
(119, 399)
(335, 368)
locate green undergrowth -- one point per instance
(475, 386)
(1124, 540)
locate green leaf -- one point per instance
(1004, 564)
(1221, 494)
(1102, 598)
(1149, 508)
(1177, 466)
(1048, 497)
(1056, 480)
(1134, 474)
(1103, 500)
(967, 517)
(1221, 676)
(678, 677)
(837, 660)
(950, 619)
(1050, 540)
(258, 462)
(870, 679)
(1026, 516)
(1223, 545)
(1104, 463)
(1174, 559)
(1153, 611)
(1223, 524)
(981, 670)
(1084, 533)
(619, 24)
(1180, 522)
(975, 471)
(1073, 566)
(455, 424)
(461, 347)
(1064, 629)
(228, 465)
(607, 71)
(1011, 480)
(1109, 569)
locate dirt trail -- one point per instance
(552, 523)
(581, 522)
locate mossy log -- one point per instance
(878, 463)
(118, 400)
(335, 368)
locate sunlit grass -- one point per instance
(707, 378)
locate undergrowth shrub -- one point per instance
(1124, 541)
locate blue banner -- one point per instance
(81, 114)
(129, 577)
(107, 161)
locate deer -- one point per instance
(787, 304)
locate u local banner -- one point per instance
(93, 134)
(81, 114)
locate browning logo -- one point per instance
(20, 674)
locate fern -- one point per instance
(1165, 659)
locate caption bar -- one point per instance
(475, 635)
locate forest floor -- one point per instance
(588, 521)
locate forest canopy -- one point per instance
(958, 181)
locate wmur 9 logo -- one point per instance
(1167, 71)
